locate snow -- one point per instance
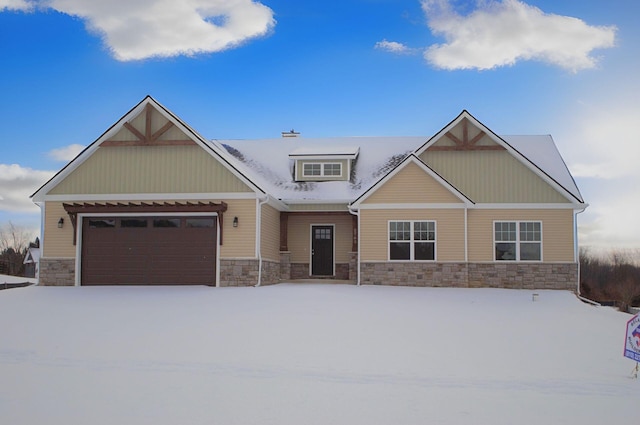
(310, 354)
(16, 279)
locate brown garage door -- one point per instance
(148, 250)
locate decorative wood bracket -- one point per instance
(143, 207)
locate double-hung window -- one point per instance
(518, 240)
(412, 240)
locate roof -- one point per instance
(324, 150)
(268, 161)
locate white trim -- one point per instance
(542, 206)
(412, 241)
(411, 206)
(333, 241)
(517, 242)
(322, 157)
(466, 235)
(79, 227)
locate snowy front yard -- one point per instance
(310, 354)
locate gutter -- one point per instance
(261, 202)
(357, 214)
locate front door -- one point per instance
(322, 250)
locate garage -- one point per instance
(148, 250)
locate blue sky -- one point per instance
(243, 69)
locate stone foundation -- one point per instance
(270, 272)
(472, 275)
(238, 272)
(57, 272)
(285, 265)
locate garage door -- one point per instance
(157, 250)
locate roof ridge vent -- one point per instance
(291, 133)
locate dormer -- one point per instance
(316, 164)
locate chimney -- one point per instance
(291, 133)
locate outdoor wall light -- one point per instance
(60, 223)
(235, 221)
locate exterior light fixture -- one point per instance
(60, 223)
(235, 221)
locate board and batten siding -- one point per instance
(412, 185)
(492, 177)
(299, 234)
(557, 232)
(374, 231)
(58, 242)
(150, 169)
(270, 233)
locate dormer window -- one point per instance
(320, 169)
(323, 164)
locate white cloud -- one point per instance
(141, 29)
(17, 184)
(66, 153)
(500, 33)
(23, 5)
(393, 47)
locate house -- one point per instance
(31, 260)
(151, 201)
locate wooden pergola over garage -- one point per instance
(147, 243)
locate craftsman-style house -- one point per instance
(153, 202)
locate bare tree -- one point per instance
(14, 241)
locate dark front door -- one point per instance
(322, 250)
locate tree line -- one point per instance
(612, 278)
(14, 243)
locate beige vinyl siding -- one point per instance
(300, 169)
(492, 177)
(557, 232)
(472, 132)
(299, 234)
(58, 243)
(412, 185)
(150, 169)
(374, 232)
(239, 242)
(157, 121)
(270, 233)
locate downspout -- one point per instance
(261, 202)
(357, 214)
(576, 256)
(41, 205)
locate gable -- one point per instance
(492, 176)
(464, 136)
(150, 169)
(411, 184)
(149, 150)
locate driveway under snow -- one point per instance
(310, 354)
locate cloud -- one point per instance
(66, 153)
(141, 29)
(500, 33)
(17, 183)
(393, 47)
(23, 5)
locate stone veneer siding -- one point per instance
(238, 272)
(57, 272)
(472, 275)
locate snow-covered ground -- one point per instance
(310, 354)
(15, 279)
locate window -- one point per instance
(166, 222)
(317, 169)
(200, 222)
(101, 223)
(518, 240)
(332, 170)
(133, 222)
(412, 240)
(312, 170)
